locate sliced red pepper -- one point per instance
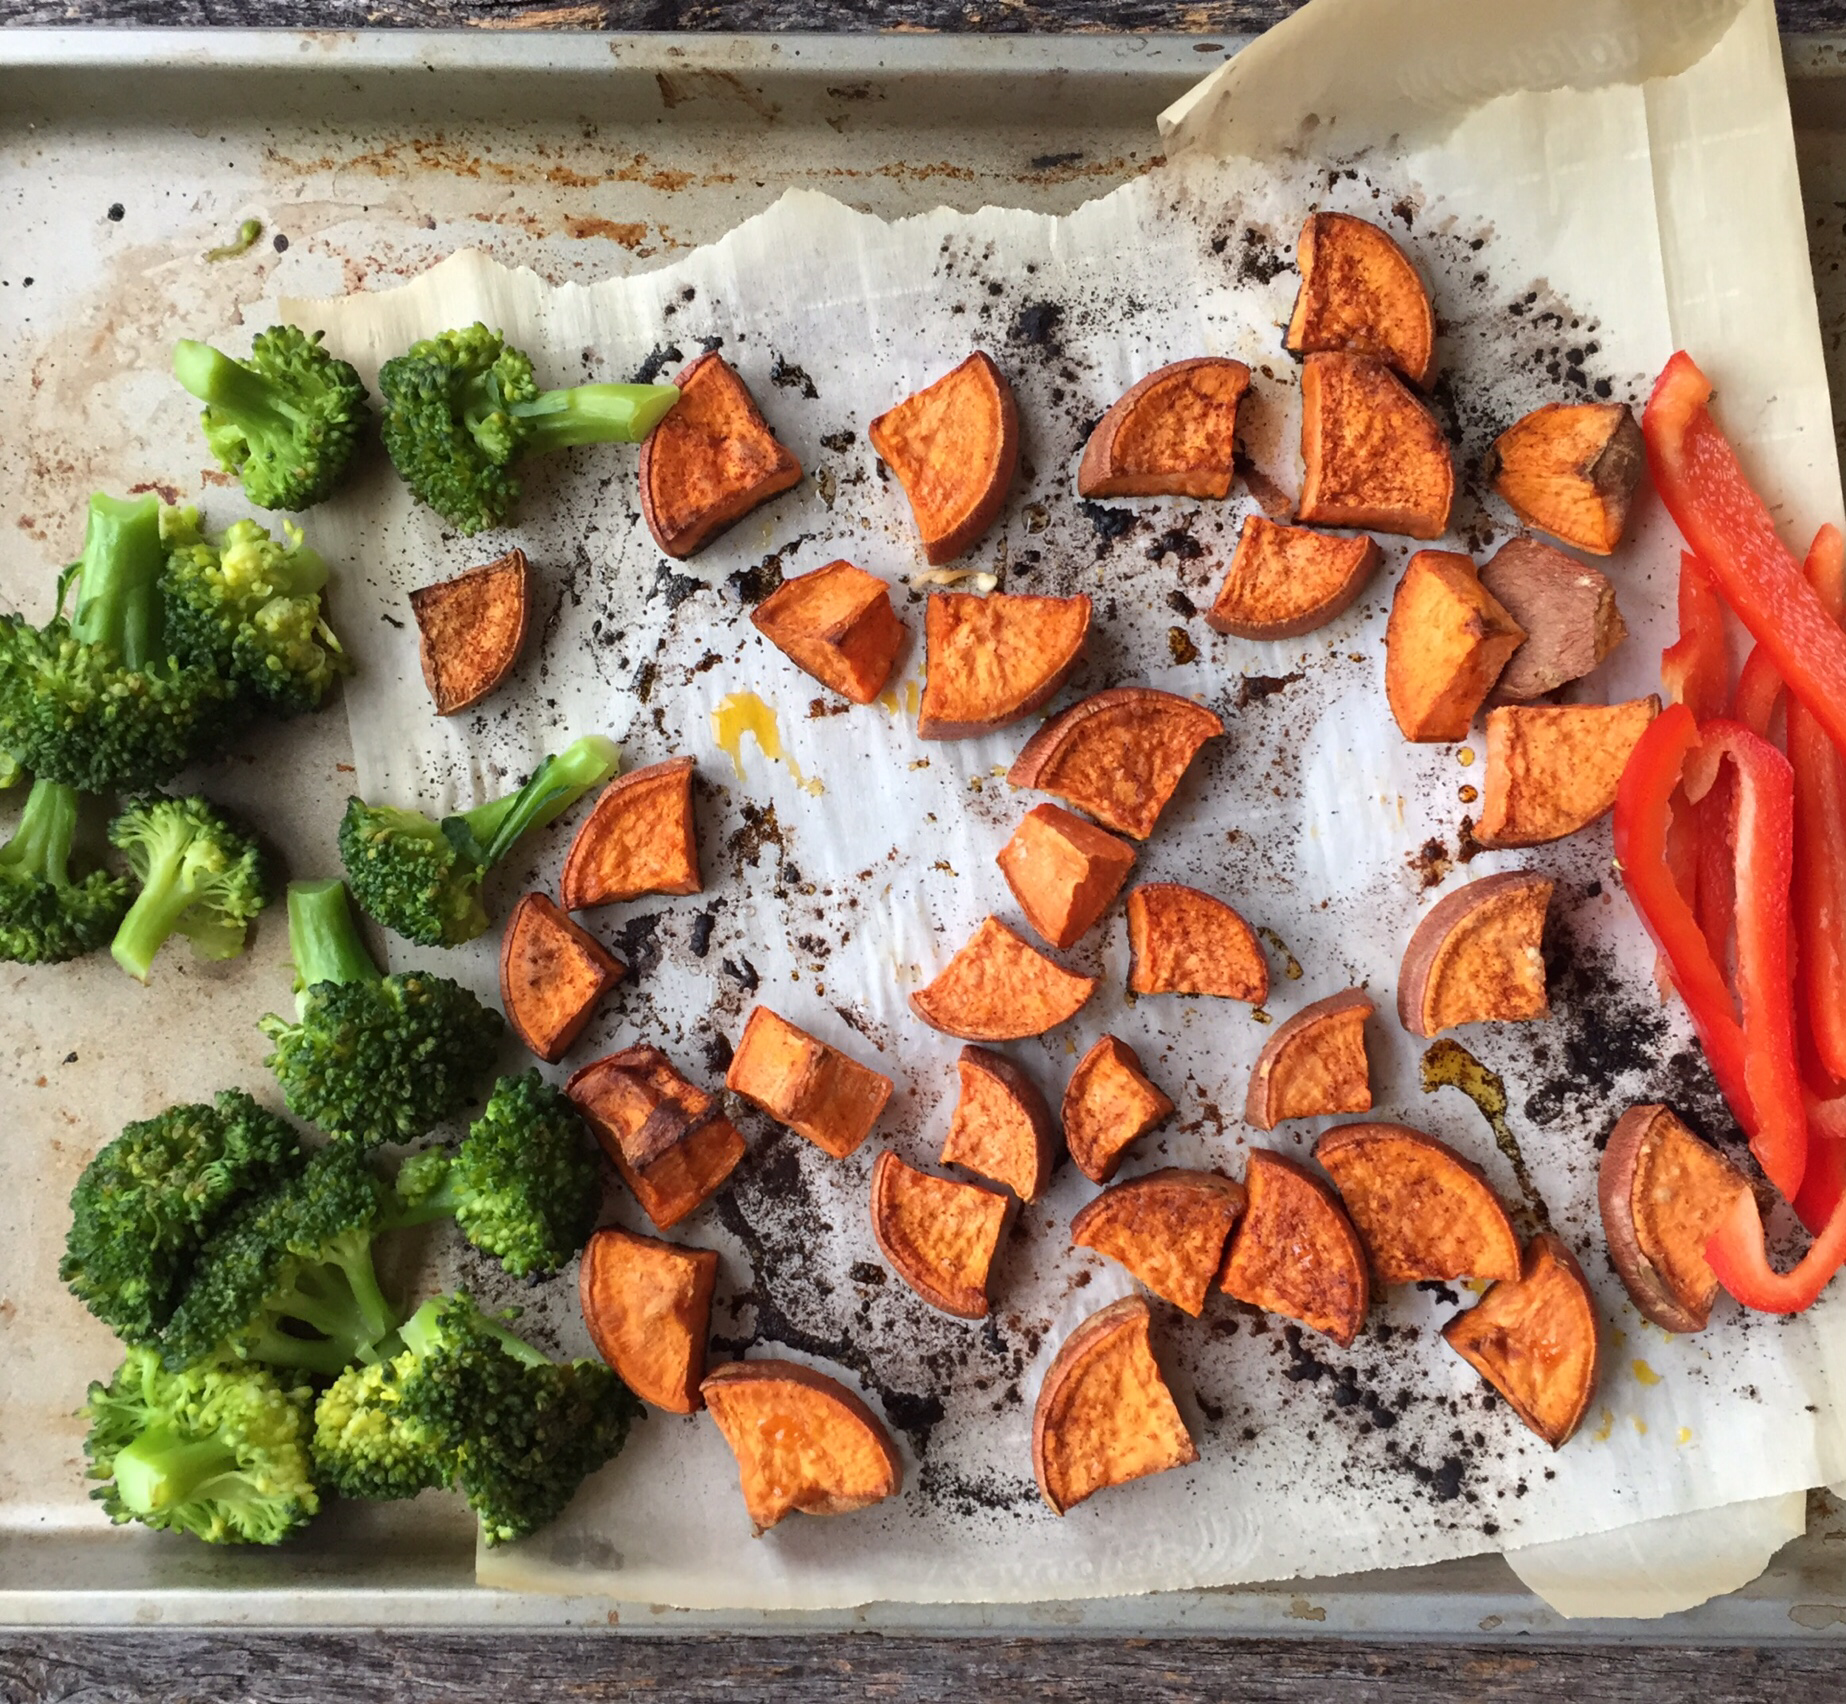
(1820, 840)
(1823, 1180)
(1758, 688)
(1740, 1260)
(1695, 670)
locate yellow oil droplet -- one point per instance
(911, 699)
(1468, 795)
(1640, 1426)
(1479, 1286)
(1465, 756)
(1684, 1436)
(887, 700)
(1604, 1426)
(1645, 1373)
(740, 713)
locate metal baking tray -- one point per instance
(583, 155)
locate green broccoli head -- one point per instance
(199, 876)
(367, 1443)
(45, 917)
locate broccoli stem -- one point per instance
(165, 895)
(324, 939)
(118, 587)
(162, 1468)
(593, 414)
(557, 784)
(41, 845)
(420, 1333)
(240, 394)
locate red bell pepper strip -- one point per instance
(1737, 1255)
(1695, 670)
(1758, 688)
(1820, 841)
(1823, 1181)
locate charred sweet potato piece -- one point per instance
(638, 839)
(552, 973)
(837, 623)
(1535, 1340)
(1002, 1129)
(1372, 455)
(990, 661)
(1361, 294)
(1570, 469)
(711, 461)
(1663, 1192)
(816, 1090)
(1476, 957)
(1063, 871)
(953, 446)
(1445, 645)
(1421, 1210)
(1553, 768)
(1567, 610)
(1295, 1252)
(1104, 1414)
(1118, 754)
(1168, 1228)
(1109, 1104)
(1314, 1064)
(1285, 581)
(803, 1441)
(1000, 988)
(1186, 942)
(647, 1305)
(470, 630)
(939, 1235)
(1172, 434)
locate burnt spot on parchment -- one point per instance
(785, 375)
(661, 357)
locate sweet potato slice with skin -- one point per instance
(1536, 1340)
(1445, 644)
(803, 1441)
(836, 624)
(1422, 1211)
(638, 839)
(939, 1235)
(552, 973)
(1000, 988)
(1372, 454)
(1119, 754)
(1314, 1064)
(991, 661)
(1554, 768)
(1570, 469)
(647, 1306)
(470, 630)
(1183, 941)
(1663, 1192)
(1168, 1228)
(1360, 293)
(1568, 612)
(953, 446)
(816, 1090)
(687, 1175)
(1109, 1104)
(1002, 1129)
(1171, 434)
(710, 461)
(1286, 581)
(1104, 1414)
(1476, 957)
(1064, 872)
(1294, 1251)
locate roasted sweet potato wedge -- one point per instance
(1186, 942)
(1567, 610)
(953, 446)
(1535, 1340)
(1109, 1104)
(1118, 754)
(711, 461)
(1002, 1129)
(638, 839)
(1553, 768)
(816, 1090)
(1570, 469)
(1104, 1414)
(1063, 871)
(1000, 988)
(991, 661)
(470, 630)
(939, 1235)
(1445, 644)
(1314, 1064)
(552, 973)
(1294, 1251)
(1663, 1192)
(803, 1441)
(1477, 958)
(1285, 581)
(1172, 434)
(647, 1305)
(1168, 1228)
(1361, 294)
(1372, 455)
(1421, 1210)
(837, 623)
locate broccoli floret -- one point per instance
(372, 1058)
(422, 878)
(45, 917)
(219, 1452)
(461, 409)
(12, 771)
(199, 878)
(286, 421)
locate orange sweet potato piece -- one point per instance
(1535, 1340)
(1295, 1252)
(1372, 454)
(1104, 1414)
(1445, 645)
(939, 1235)
(1553, 768)
(638, 839)
(1314, 1064)
(1186, 942)
(1567, 610)
(1063, 871)
(1361, 294)
(837, 623)
(953, 446)
(1109, 1104)
(647, 1305)
(816, 1090)
(1000, 988)
(552, 973)
(1285, 581)
(1570, 469)
(1173, 434)
(991, 661)
(1168, 1228)
(1002, 1129)
(1477, 958)
(710, 461)
(470, 630)
(1118, 754)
